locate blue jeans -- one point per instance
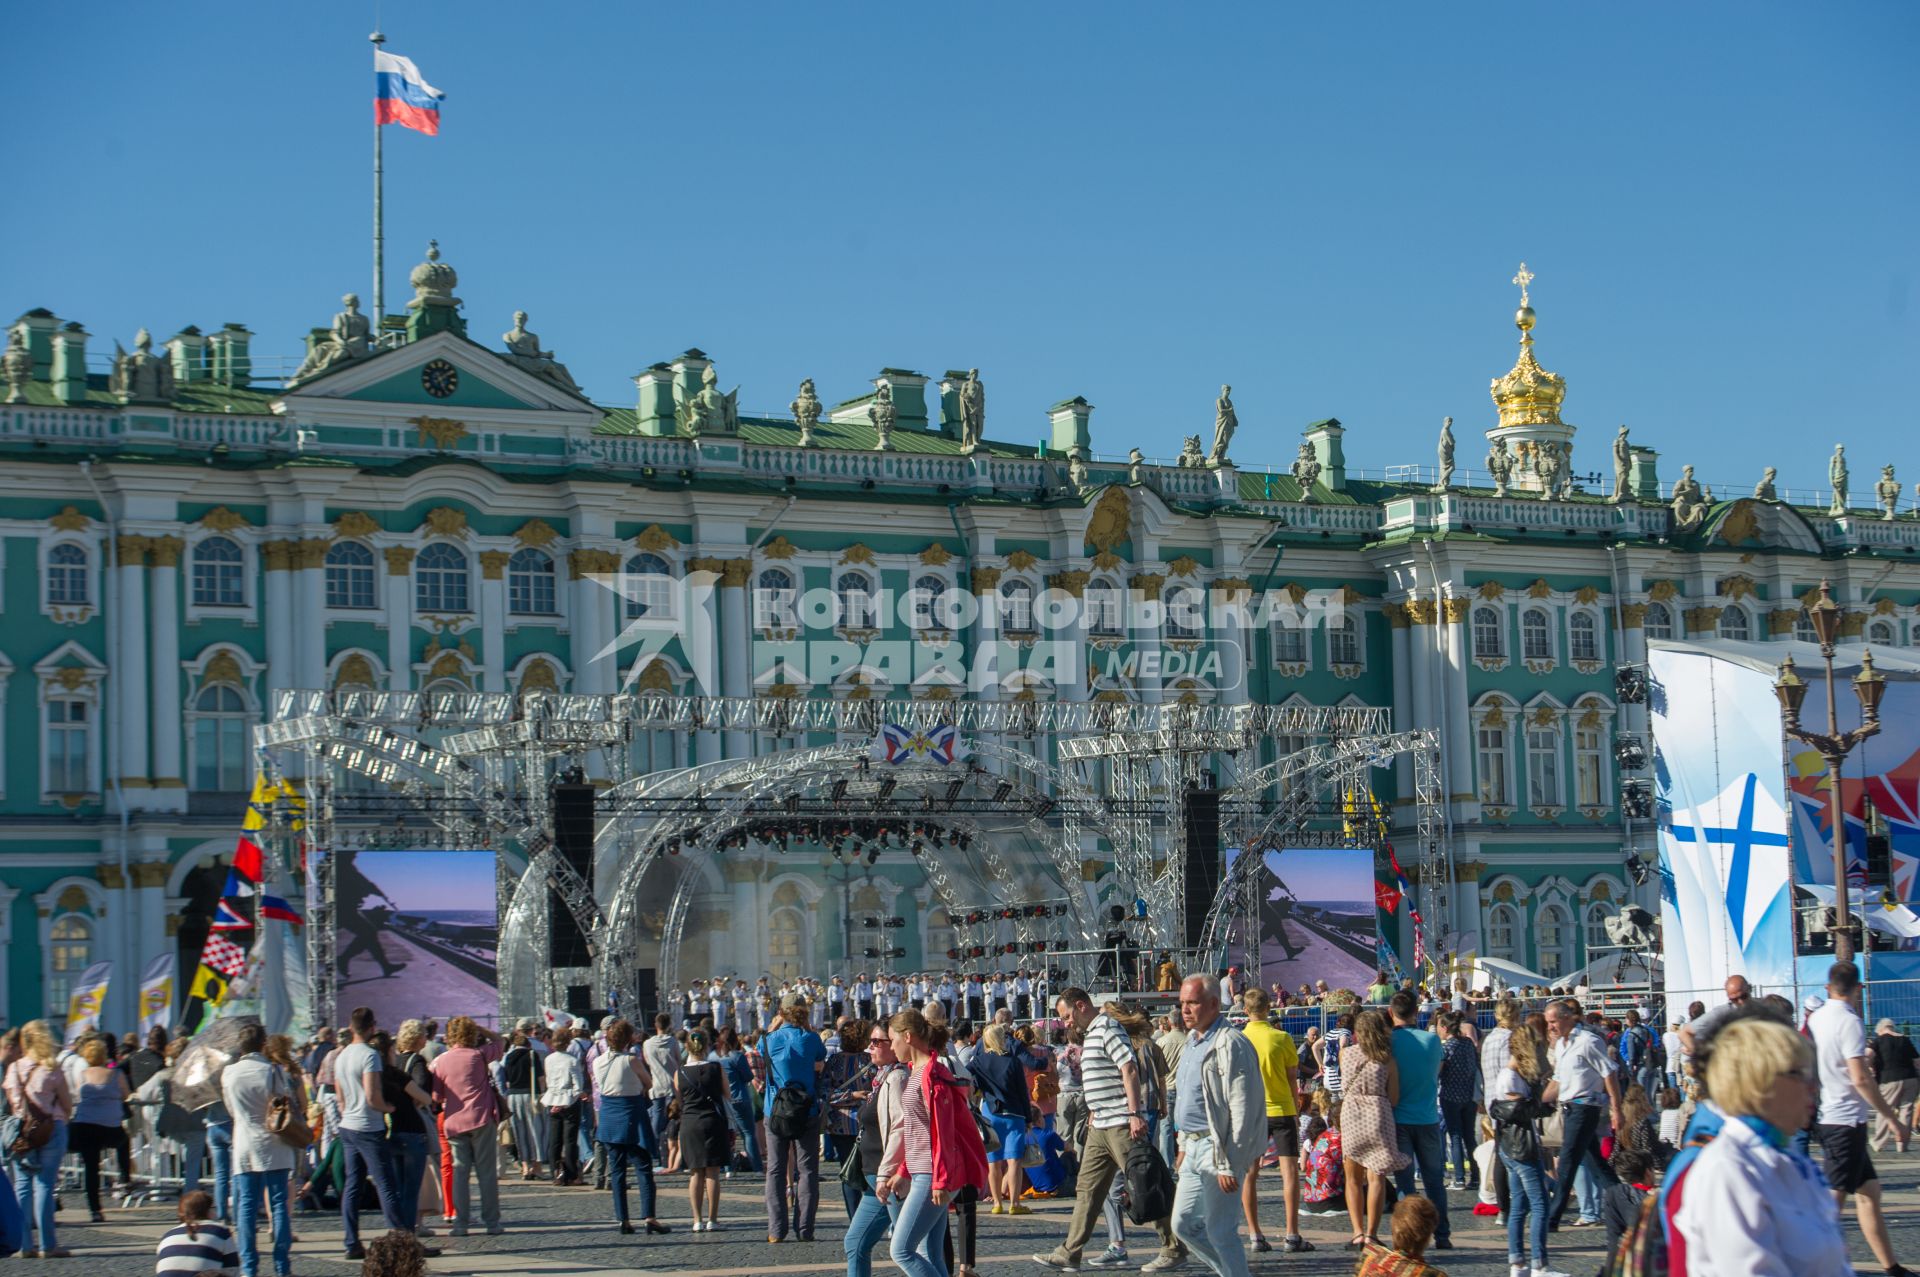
(917, 1232)
(866, 1228)
(1461, 1119)
(1589, 1193)
(588, 1125)
(246, 1218)
(220, 1149)
(409, 1153)
(657, 1116)
(1528, 1185)
(1579, 1148)
(1204, 1217)
(35, 1181)
(363, 1156)
(1424, 1144)
(742, 1114)
(193, 1150)
(620, 1157)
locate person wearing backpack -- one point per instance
(795, 1058)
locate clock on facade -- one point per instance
(440, 378)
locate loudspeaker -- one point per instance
(646, 996)
(1879, 860)
(1200, 813)
(566, 942)
(573, 827)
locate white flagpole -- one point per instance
(379, 231)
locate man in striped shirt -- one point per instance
(1112, 1083)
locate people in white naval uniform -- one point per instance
(997, 992)
(946, 994)
(863, 995)
(975, 993)
(677, 1004)
(742, 1007)
(837, 998)
(1022, 996)
(717, 1002)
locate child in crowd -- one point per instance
(1485, 1157)
(1414, 1219)
(1673, 1124)
(1322, 1169)
(200, 1244)
(1620, 1203)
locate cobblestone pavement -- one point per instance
(561, 1231)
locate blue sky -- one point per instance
(1325, 873)
(1322, 205)
(438, 880)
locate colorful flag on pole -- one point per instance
(401, 95)
(897, 744)
(89, 995)
(224, 956)
(209, 986)
(226, 918)
(156, 994)
(275, 907)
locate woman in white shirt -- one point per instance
(561, 1072)
(622, 1081)
(1750, 1206)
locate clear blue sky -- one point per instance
(1320, 204)
(1325, 873)
(437, 880)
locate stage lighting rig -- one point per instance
(886, 788)
(1630, 752)
(1637, 869)
(1636, 800)
(1630, 685)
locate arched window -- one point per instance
(939, 937)
(1490, 750)
(69, 952)
(530, 583)
(1583, 637)
(1543, 765)
(1489, 636)
(69, 745)
(1881, 633)
(1186, 612)
(930, 604)
(1589, 768)
(1735, 624)
(648, 588)
(1289, 642)
(1597, 914)
(218, 729)
(855, 595)
(785, 933)
(1553, 931)
(1016, 607)
(773, 599)
(1803, 630)
(67, 575)
(1343, 640)
(1103, 608)
(440, 578)
(1502, 924)
(217, 563)
(1658, 621)
(1536, 635)
(349, 575)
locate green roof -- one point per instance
(831, 434)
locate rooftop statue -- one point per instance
(523, 348)
(806, 411)
(1765, 489)
(881, 413)
(1500, 466)
(1553, 472)
(1306, 471)
(1225, 422)
(1689, 502)
(141, 376)
(17, 366)
(350, 337)
(709, 411)
(973, 411)
(1837, 475)
(1136, 465)
(1622, 466)
(1888, 492)
(1446, 456)
(1190, 454)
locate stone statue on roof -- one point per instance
(1190, 454)
(806, 412)
(1077, 472)
(1136, 465)
(523, 349)
(1551, 465)
(1689, 503)
(1765, 490)
(1622, 466)
(350, 337)
(141, 376)
(881, 413)
(1888, 492)
(973, 412)
(1837, 475)
(1225, 422)
(1306, 471)
(17, 366)
(1446, 456)
(1500, 466)
(709, 412)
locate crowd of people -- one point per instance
(1402, 1114)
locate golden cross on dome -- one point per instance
(1524, 278)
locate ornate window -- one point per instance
(1803, 630)
(1590, 767)
(1490, 754)
(1503, 923)
(1103, 608)
(773, 599)
(1736, 624)
(1536, 635)
(1583, 637)
(855, 595)
(69, 952)
(1016, 607)
(1658, 622)
(217, 573)
(69, 745)
(648, 588)
(1543, 766)
(67, 576)
(349, 568)
(217, 727)
(1489, 635)
(1597, 914)
(1553, 930)
(1881, 633)
(440, 579)
(785, 933)
(1186, 612)
(939, 936)
(1343, 640)
(530, 584)
(1289, 642)
(930, 603)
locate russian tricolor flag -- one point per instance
(401, 95)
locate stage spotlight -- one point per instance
(1630, 752)
(1001, 791)
(873, 857)
(838, 790)
(1630, 685)
(1043, 808)
(1636, 800)
(1116, 913)
(792, 802)
(886, 788)
(1637, 869)
(953, 955)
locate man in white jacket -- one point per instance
(1220, 1111)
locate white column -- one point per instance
(1145, 634)
(1074, 682)
(1457, 752)
(735, 648)
(277, 612)
(1419, 664)
(1402, 695)
(583, 618)
(164, 682)
(129, 675)
(310, 606)
(702, 637)
(399, 618)
(1232, 639)
(493, 620)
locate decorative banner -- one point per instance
(89, 995)
(156, 994)
(896, 744)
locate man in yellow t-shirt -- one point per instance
(1279, 1067)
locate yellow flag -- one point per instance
(209, 986)
(260, 802)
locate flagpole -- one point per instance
(379, 228)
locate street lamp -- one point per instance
(1834, 746)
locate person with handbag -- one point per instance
(100, 1098)
(261, 1098)
(940, 1155)
(706, 1137)
(1516, 1107)
(561, 1099)
(878, 1123)
(34, 1136)
(620, 1083)
(520, 1081)
(470, 1113)
(1002, 1081)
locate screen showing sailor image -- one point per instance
(1317, 918)
(418, 933)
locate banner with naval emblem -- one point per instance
(897, 744)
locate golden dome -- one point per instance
(1528, 395)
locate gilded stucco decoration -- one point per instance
(536, 532)
(1491, 590)
(399, 559)
(984, 580)
(1111, 523)
(221, 519)
(167, 551)
(1073, 582)
(1663, 591)
(1021, 560)
(74, 677)
(1742, 524)
(1782, 620)
(539, 676)
(355, 671)
(1148, 584)
(857, 553)
(445, 521)
(1545, 716)
(1703, 620)
(1396, 614)
(655, 678)
(1884, 607)
(1540, 590)
(936, 555)
(655, 538)
(1736, 587)
(222, 668)
(493, 564)
(70, 520)
(448, 665)
(1420, 611)
(441, 432)
(1456, 611)
(355, 523)
(778, 548)
(1587, 594)
(1106, 560)
(1185, 565)
(1296, 593)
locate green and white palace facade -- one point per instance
(414, 509)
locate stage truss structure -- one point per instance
(472, 771)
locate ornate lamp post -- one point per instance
(1834, 746)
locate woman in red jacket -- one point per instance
(940, 1149)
